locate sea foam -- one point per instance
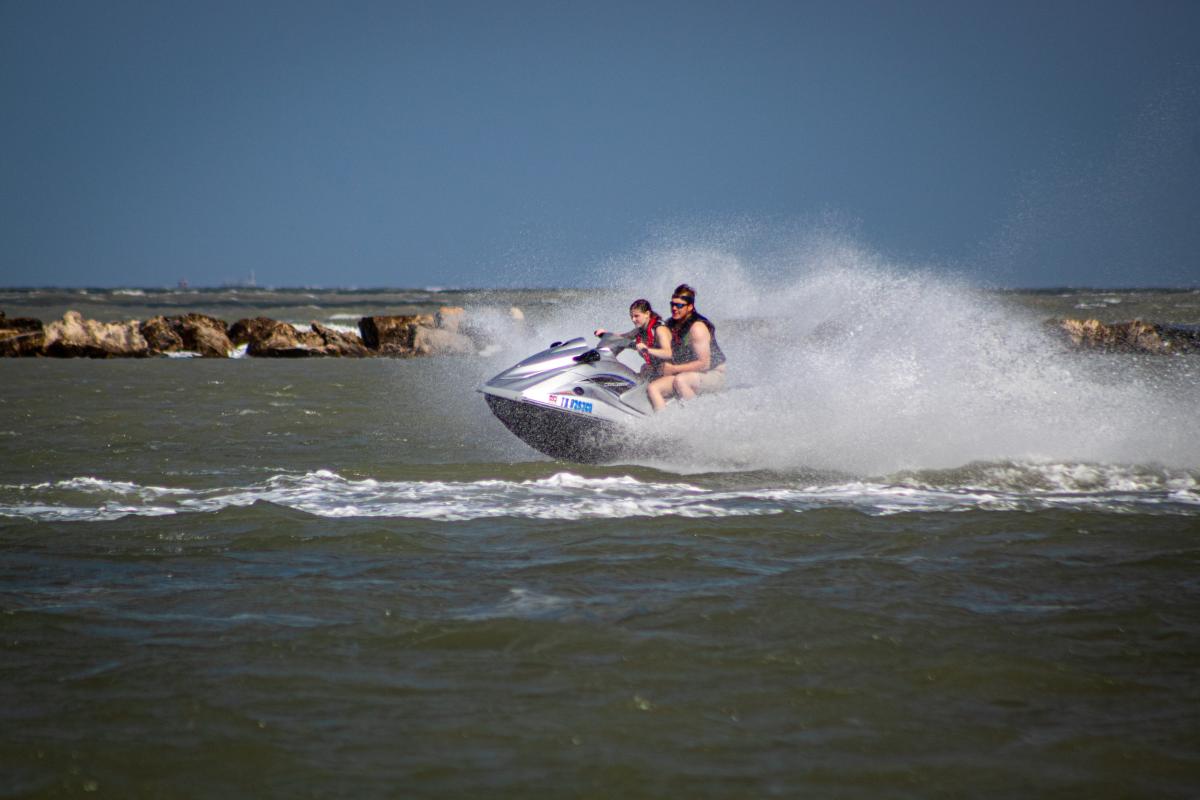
(567, 496)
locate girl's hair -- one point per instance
(641, 305)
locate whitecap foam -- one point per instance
(566, 496)
(89, 499)
(349, 330)
(1069, 478)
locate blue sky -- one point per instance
(525, 143)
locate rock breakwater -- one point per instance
(447, 332)
(1134, 336)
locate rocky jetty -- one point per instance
(1135, 336)
(443, 333)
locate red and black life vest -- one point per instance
(648, 336)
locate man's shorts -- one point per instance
(711, 381)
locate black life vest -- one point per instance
(681, 345)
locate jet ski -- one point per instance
(572, 401)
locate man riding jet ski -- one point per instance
(697, 364)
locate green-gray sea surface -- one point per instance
(343, 578)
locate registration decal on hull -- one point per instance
(571, 403)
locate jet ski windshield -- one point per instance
(557, 355)
(614, 342)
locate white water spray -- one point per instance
(840, 361)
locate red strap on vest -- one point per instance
(647, 336)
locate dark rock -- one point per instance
(161, 336)
(245, 331)
(21, 336)
(337, 343)
(205, 335)
(393, 335)
(191, 333)
(268, 338)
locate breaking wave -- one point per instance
(567, 496)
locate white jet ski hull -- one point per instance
(572, 402)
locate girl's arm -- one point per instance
(661, 334)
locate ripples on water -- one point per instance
(343, 578)
(264, 649)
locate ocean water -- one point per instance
(918, 549)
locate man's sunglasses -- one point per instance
(676, 304)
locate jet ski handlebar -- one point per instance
(612, 342)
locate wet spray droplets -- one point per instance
(840, 361)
